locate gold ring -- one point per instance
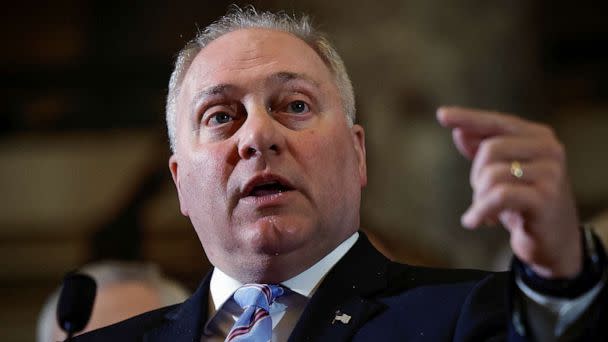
(516, 170)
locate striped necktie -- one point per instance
(254, 324)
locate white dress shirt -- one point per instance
(285, 311)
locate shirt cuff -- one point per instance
(563, 301)
(567, 310)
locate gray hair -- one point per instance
(247, 18)
(110, 273)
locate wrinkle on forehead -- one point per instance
(253, 56)
(248, 64)
(251, 53)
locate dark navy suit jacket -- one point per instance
(387, 301)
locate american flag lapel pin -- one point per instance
(341, 317)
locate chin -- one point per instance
(273, 236)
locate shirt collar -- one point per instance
(222, 286)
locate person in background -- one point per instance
(124, 289)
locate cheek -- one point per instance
(331, 161)
(204, 179)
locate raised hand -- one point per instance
(519, 178)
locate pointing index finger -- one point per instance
(483, 123)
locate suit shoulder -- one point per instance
(418, 276)
(131, 329)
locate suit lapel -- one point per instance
(341, 304)
(338, 308)
(183, 324)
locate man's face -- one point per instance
(266, 165)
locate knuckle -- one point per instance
(553, 172)
(502, 193)
(549, 131)
(555, 146)
(485, 178)
(492, 174)
(545, 130)
(487, 147)
(547, 189)
(481, 150)
(559, 150)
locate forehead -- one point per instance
(248, 54)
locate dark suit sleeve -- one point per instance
(542, 323)
(537, 322)
(483, 316)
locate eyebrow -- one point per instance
(280, 77)
(286, 76)
(216, 90)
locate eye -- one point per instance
(219, 118)
(297, 107)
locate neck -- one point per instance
(275, 269)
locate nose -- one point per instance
(260, 135)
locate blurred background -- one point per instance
(84, 151)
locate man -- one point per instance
(269, 167)
(124, 289)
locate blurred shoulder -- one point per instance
(132, 329)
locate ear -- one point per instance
(358, 135)
(174, 168)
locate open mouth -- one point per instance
(268, 189)
(266, 186)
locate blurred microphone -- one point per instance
(75, 303)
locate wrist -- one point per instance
(591, 271)
(570, 264)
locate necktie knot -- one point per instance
(255, 323)
(258, 295)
